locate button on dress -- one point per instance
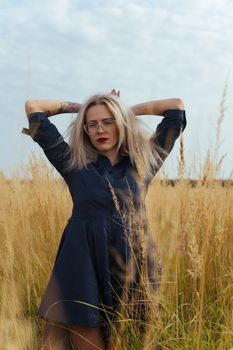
(92, 256)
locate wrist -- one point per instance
(69, 107)
(138, 109)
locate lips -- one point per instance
(102, 139)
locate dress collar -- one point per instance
(103, 161)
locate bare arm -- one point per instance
(157, 107)
(50, 107)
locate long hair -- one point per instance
(134, 140)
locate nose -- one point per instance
(98, 126)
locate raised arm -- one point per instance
(50, 107)
(157, 107)
(169, 129)
(167, 132)
(46, 134)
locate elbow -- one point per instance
(30, 106)
(179, 104)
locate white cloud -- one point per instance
(147, 49)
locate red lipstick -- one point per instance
(102, 139)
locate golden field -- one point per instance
(192, 227)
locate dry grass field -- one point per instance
(193, 229)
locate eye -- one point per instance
(91, 125)
(109, 121)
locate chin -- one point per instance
(105, 147)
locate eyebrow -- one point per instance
(94, 120)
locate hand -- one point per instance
(114, 93)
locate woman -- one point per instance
(106, 245)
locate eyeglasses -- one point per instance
(106, 124)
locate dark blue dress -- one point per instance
(87, 271)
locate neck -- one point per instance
(112, 157)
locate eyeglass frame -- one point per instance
(98, 124)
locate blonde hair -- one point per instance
(134, 140)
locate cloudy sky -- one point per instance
(69, 50)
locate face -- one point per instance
(104, 139)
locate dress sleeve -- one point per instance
(167, 131)
(50, 140)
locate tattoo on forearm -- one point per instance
(69, 107)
